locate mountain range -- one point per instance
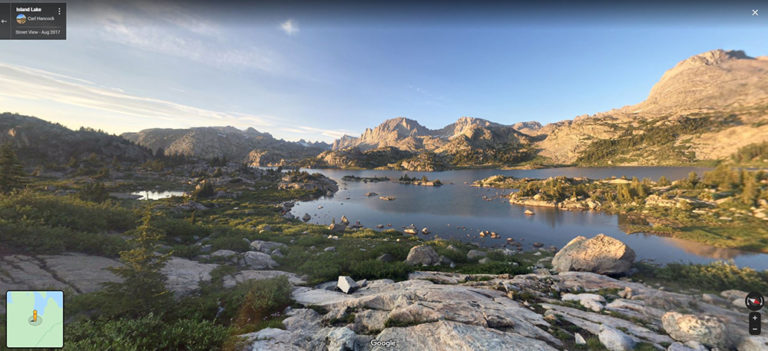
(705, 108)
(249, 145)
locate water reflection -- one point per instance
(700, 249)
(446, 210)
(155, 195)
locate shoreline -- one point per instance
(655, 210)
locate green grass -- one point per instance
(714, 277)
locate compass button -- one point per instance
(754, 301)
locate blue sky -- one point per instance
(317, 73)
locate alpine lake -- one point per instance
(458, 210)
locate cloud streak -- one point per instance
(290, 27)
(174, 31)
(96, 103)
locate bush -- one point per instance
(64, 211)
(375, 269)
(146, 333)
(264, 298)
(180, 228)
(95, 192)
(203, 190)
(34, 238)
(716, 276)
(751, 153)
(186, 251)
(234, 243)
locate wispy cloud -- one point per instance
(98, 106)
(174, 31)
(290, 27)
(428, 97)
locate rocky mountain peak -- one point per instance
(715, 57)
(465, 126)
(403, 126)
(345, 142)
(712, 80)
(529, 127)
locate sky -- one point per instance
(319, 70)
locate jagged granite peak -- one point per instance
(409, 135)
(403, 143)
(529, 127)
(465, 126)
(344, 142)
(400, 132)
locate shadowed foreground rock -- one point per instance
(497, 312)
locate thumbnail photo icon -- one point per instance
(21, 19)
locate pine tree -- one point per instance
(142, 290)
(693, 180)
(751, 189)
(663, 181)
(11, 172)
(637, 189)
(623, 194)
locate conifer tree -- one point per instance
(11, 172)
(623, 194)
(142, 290)
(751, 190)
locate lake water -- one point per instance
(447, 208)
(156, 195)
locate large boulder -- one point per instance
(422, 255)
(615, 340)
(475, 254)
(337, 227)
(266, 246)
(346, 284)
(258, 260)
(601, 254)
(707, 330)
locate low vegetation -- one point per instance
(714, 277)
(726, 207)
(655, 141)
(58, 215)
(755, 154)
